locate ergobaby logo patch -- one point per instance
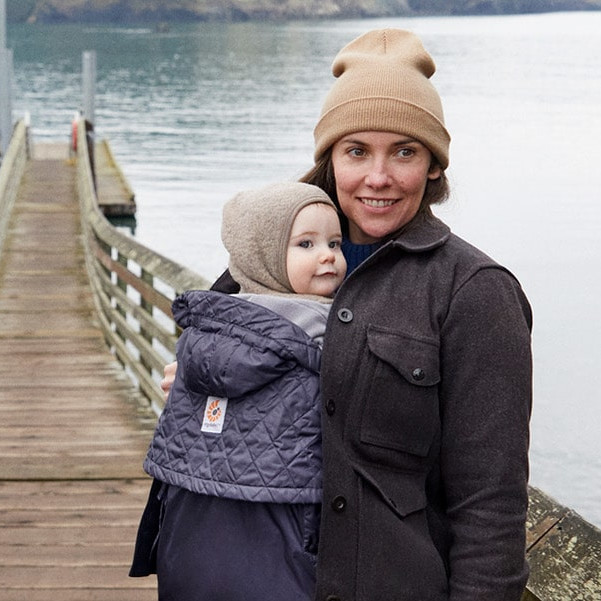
(214, 414)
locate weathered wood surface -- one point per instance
(73, 432)
(564, 552)
(115, 195)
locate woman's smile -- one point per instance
(377, 203)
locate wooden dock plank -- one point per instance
(115, 195)
(73, 430)
(564, 552)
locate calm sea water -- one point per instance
(196, 114)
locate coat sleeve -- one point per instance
(231, 347)
(485, 394)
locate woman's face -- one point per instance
(380, 181)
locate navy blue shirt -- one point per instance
(355, 254)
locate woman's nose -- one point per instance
(377, 176)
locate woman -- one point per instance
(426, 366)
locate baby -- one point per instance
(236, 455)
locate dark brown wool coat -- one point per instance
(426, 397)
(426, 392)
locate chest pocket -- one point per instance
(401, 408)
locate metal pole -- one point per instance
(2, 24)
(6, 109)
(89, 84)
(5, 84)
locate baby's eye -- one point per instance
(335, 244)
(305, 244)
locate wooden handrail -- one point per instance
(11, 173)
(133, 288)
(564, 552)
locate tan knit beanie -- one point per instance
(384, 85)
(256, 230)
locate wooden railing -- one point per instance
(564, 552)
(133, 289)
(11, 172)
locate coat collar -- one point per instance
(424, 233)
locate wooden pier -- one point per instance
(73, 429)
(79, 301)
(116, 197)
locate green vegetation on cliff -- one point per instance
(241, 10)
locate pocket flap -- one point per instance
(417, 360)
(403, 493)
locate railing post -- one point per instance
(107, 249)
(148, 278)
(122, 259)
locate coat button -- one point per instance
(339, 504)
(330, 407)
(418, 374)
(345, 315)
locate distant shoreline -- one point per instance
(176, 11)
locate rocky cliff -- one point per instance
(242, 10)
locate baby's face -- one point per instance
(314, 262)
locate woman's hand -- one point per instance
(168, 378)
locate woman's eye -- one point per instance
(356, 152)
(406, 152)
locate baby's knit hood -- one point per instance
(256, 229)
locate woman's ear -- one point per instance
(435, 171)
